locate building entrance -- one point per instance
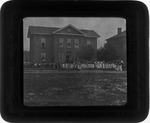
(68, 56)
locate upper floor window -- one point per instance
(43, 43)
(88, 43)
(43, 56)
(76, 45)
(68, 43)
(61, 42)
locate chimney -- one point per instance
(119, 30)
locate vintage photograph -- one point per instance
(75, 61)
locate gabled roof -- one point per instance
(41, 30)
(90, 33)
(67, 27)
(122, 34)
(54, 30)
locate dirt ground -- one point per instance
(75, 88)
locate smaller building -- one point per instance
(118, 41)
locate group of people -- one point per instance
(118, 66)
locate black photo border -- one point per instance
(136, 15)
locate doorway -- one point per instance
(68, 58)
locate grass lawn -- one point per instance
(75, 88)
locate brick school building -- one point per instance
(51, 44)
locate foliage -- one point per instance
(107, 53)
(26, 55)
(86, 53)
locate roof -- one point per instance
(72, 27)
(41, 30)
(90, 33)
(53, 30)
(122, 34)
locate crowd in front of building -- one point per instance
(101, 65)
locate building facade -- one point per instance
(50, 44)
(119, 43)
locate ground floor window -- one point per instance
(75, 56)
(61, 57)
(43, 56)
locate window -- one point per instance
(43, 42)
(43, 55)
(76, 56)
(68, 43)
(61, 42)
(88, 43)
(61, 57)
(76, 45)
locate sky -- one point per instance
(105, 27)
